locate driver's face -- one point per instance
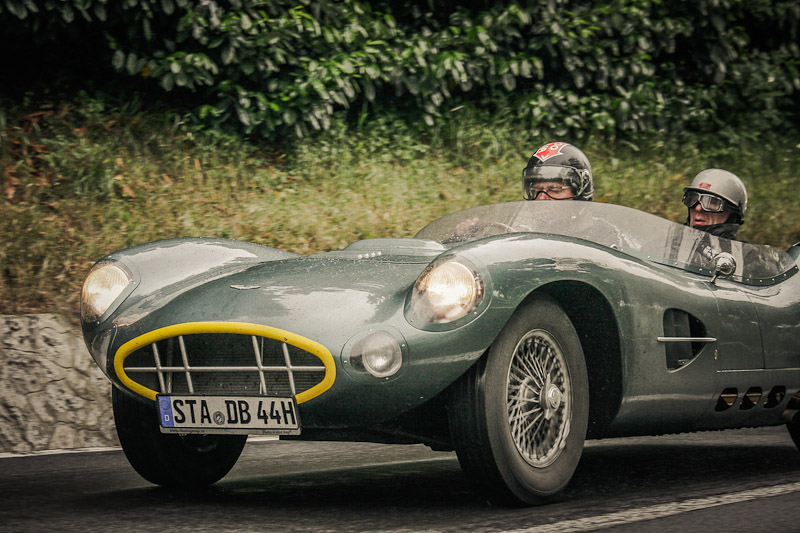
(698, 217)
(551, 190)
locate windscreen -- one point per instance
(617, 227)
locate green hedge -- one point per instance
(618, 67)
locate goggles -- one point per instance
(708, 202)
(554, 192)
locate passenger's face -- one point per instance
(698, 217)
(551, 190)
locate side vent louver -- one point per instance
(684, 337)
(775, 397)
(751, 398)
(727, 399)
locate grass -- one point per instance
(81, 180)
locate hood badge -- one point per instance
(245, 287)
(369, 255)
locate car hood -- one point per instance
(324, 296)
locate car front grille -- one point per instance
(224, 364)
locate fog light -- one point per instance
(378, 354)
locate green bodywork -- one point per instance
(629, 281)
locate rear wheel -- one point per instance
(171, 460)
(518, 418)
(794, 428)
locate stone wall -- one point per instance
(52, 395)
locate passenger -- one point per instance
(717, 202)
(558, 171)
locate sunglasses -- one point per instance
(709, 202)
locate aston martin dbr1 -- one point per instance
(509, 333)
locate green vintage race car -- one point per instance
(509, 333)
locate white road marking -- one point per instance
(10, 455)
(642, 514)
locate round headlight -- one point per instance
(104, 283)
(446, 292)
(378, 353)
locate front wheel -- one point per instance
(171, 460)
(518, 418)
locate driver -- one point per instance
(717, 202)
(557, 171)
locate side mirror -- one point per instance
(794, 251)
(724, 265)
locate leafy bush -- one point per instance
(564, 66)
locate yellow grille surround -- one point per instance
(240, 328)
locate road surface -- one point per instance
(718, 481)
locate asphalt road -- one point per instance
(745, 480)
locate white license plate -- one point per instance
(228, 414)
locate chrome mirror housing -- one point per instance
(724, 265)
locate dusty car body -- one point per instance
(508, 332)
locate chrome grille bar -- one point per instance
(288, 362)
(158, 368)
(186, 364)
(166, 369)
(259, 362)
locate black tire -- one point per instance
(794, 429)
(519, 431)
(171, 460)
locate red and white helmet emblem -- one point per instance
(704, 185)
(549, 150)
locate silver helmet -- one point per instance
(725, 185)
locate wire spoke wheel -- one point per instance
(539, 398)
(518, 417)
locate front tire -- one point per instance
(518, 418)
(171, 460)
